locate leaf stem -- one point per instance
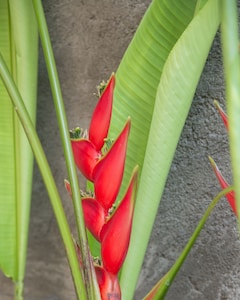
(89, 275)
(47, 176)
(231, 61)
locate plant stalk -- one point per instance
(89, 275)
(231, 62)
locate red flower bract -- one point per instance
(87, 152)
(108, 284)
(99, 125)
(94, 216)
(108, 173)
(86, 156)
(115, 235)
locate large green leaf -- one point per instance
(164, 61)
(138, 75)
(19, 47)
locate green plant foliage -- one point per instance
(19, 47)
(163, 62)
(160, 289)
(138, 75)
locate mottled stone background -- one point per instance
(89, 39)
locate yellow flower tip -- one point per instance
(213, 164)
(216, 103)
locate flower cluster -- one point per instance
(104, 166)
(231, 195)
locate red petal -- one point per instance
(94, 216)
(108, 173)
(86, 156)
(116, 233)
(99, 126)
(222, 113)
(231, 195)
(108, 284)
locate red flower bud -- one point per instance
(115, 235)
(222, 113)
(86, 156)
(108, 284)
(108, 173)
(99, 126)
(231, 195)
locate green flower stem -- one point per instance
(160, 289)
(47, 176)
(231, 61)
(88, 273)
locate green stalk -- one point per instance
(89, 275)
(160, 289)
(231, 61)
(47, 176)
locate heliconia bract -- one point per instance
(115, 235)
(87, 151)
(108, 173)
(108, 284)
(101, 117)
(94, 216)
(86, 156)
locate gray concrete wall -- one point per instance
(89, 38)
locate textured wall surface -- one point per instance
(89, 39)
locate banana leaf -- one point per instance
(155, 84)
(19, 47)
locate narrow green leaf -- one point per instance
(160, 289)
(157, 125)
(19, 46)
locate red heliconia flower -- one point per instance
(222, 113)
(99, 125)
(86, 156)
(115, 235)
(231, 195)
(94, 216)
(108, 173)
(87, 152)
(108, 284)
